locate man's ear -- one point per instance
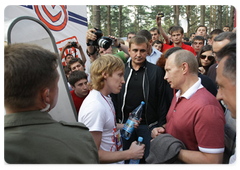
(45, 95)
(150, 42)
(72, 87)
(129, 49)
(104, 74)
(185, 67)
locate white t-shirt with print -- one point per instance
(97, 114)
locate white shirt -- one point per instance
(97, 114)
(232, 159)
(155, 55)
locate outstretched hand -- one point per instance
(158, 20)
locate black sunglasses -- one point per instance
(210, 57)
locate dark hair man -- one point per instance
(31, 136)
(212, 35)
(197, 43)
(144, 82)
(80, 88)
(155, 34)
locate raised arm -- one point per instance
(90, 36)
(79, 47)
(122, 47)
(159, 24)
(68, 45)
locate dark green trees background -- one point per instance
(118, 20)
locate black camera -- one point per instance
(160, 14)
(101, 41)
(74, 44)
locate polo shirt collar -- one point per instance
(191, 91)
(142, 66)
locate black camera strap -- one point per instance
(94, 51)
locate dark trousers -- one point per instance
(144, 132)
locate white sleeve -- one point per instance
(93, 116)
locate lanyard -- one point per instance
(111, 107)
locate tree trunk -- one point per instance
(227, 22)
(219, 23)
(138, 18)
(109, 20)
(120, 21)
(210, 19)
(196, 14)
(188, 19)
(231, 19)
(96, 16)
(202, 20)
(215, 16)
(176, 15)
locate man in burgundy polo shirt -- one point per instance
(195, 116)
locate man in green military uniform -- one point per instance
(31, 91)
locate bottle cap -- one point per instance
(140, 139)
(142, 102)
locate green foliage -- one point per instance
(138, 17)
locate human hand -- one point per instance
(90, 35)
(201, 70)
(136, 151)
(79, 46)
(158, 20)
(116, 43)
(157, 131)
(136, 124)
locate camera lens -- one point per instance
(102, 42)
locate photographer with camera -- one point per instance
(99, 44)
(68, 57)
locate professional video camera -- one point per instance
(101, 41)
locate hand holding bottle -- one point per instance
(136, 151)
(133, 121)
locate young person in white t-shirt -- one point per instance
(98, 113)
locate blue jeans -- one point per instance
(144, 132)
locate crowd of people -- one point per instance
(188, 86)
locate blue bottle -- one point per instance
(136, 161)
(129, 125)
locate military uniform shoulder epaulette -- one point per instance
(75, 124)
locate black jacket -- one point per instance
(154, 95)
